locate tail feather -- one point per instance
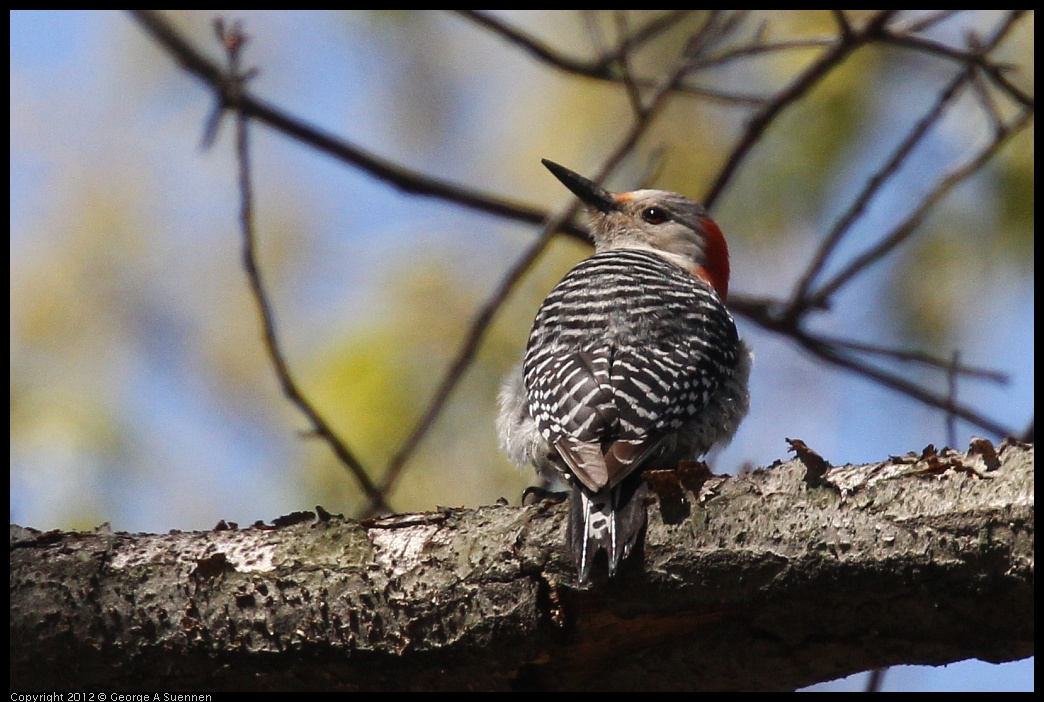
(609, 521)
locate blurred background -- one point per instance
(141, 392)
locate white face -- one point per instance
(656, 220)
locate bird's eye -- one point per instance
(655, 215)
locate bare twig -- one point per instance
(613, 64)
(975, 56)
(234, 40)
(600, 68)
(536, 48)
(466, 353)
(714, 32)
(765, 314)
(919, 357)
(594, 31)
(797, 88)
(759, 47)
(984, 96)
(799, 301)
(478, 329)
(903, 231)
(405, 179)
(897, 383)
(843, 25)
(875, 680)
(646, 33)
(603, 68)
(633, 92)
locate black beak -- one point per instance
(591, 194)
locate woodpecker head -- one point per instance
(666, 223)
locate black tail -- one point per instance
(610, 521)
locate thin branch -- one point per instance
(986, 101)
(843, 25)
(759, 47)
(594, 31)
(536, 48)
(479, 327)
(875, 679)
(633, 92)
(973, 57)
(799, 300)
(798, 87)
(765, 313)
(234, 41)
(382, 169)
(184, 53)
(919, 357)
(903, 231)
(466, 353)
(602, 68)
(715, 31)
(976, 57)
(897, 383)
(652, 29)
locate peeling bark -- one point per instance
(769, 581)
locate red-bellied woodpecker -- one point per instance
(633, 363)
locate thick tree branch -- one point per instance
(773, 580)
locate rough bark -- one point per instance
(787, 576)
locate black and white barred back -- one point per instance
(627, 347)
(624, 356)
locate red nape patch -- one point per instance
(716, 272)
